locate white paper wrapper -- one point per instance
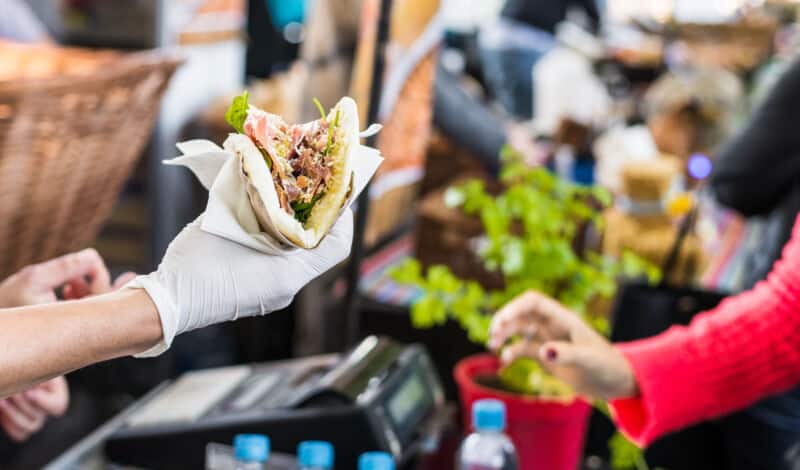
(229, 213)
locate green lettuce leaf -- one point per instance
(302, 210)
(237, 112)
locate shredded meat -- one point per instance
(299, 155)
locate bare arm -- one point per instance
(44, 341)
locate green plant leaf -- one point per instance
(521, 376)
(470, 303)
(440, 278)
(513, 257)
(428, 311)
(625, 455)
(408, 272)
(477, 327)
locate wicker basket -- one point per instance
(67, 144)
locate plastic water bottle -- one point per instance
(488, 448)
(315, 455)
(251, 451)
(375, 461)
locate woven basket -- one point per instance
(68, 142)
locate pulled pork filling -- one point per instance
(299, 157)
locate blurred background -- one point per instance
(676, 114)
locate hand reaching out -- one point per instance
(205, 279)
(25, 413)
(80, 274)
(565, 345)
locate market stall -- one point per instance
(551, 203)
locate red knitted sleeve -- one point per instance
(727, 358)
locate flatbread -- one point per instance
(264, 198)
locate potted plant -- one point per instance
(535, 235)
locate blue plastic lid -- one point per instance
(489, 415)
(375, 461)
(251, 447)
(315, 454)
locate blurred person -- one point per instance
(756, 174)
(512, 45)
(546, 14)
(19, 23)
(78, 275)
(727, 358)
(470, 124)
(509, 49)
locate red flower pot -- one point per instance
(548, 435)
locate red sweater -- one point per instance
(726, 359)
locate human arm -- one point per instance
(24, 414)
(78, 275)
(727, 358)
(463, 119)
(203, 279)
(40, 342)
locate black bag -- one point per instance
(640, 311)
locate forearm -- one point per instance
(44, 341)
(728, 358)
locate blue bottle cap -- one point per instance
(375, 461)
(251, 447)
(315, 454)
(489, 415)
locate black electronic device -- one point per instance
(380, 396)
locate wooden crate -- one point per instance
(447, 236)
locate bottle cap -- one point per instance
(251, 447)
(315, 454)
(489, 415)
(375, 461)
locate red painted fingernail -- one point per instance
(551, 354)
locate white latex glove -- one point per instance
(205, 279)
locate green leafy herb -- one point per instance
(237, 112)
(625, 455)
(331, 131)
(530, 231)
(302, 210)
(321, 110)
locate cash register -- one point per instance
(380, 396)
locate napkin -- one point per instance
(229, 213)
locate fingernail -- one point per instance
(551, 354)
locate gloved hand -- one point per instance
(205, 279)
